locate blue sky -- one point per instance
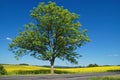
(100, 17)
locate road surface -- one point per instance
(58, 76)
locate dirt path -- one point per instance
(58, 77)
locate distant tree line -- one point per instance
(92, 65)
(24, 64)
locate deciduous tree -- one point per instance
(55, 33)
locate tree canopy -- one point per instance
(55, 33)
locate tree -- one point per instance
(92, 65)
(55, 33)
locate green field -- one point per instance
(25, 69)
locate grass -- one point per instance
(113, 77)
(25, 69)
(105, 78)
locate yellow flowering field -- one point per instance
(92, 69)
(11, 69)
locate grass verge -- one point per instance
(111, 77)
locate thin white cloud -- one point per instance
(9, 39)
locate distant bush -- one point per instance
(106, 65)
(24, 64)
(92, 65)
(2, 70)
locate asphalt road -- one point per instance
(58, 77)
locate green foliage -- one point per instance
(104, 78)
(42, 71)
(23, 72)
(113, 70)
(24, 64)
(2, 70)
(92, 65)
(56, 33)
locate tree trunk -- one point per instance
(52, 66)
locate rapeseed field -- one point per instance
(23, 69)
(92, 69)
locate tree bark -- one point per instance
(52, 66)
